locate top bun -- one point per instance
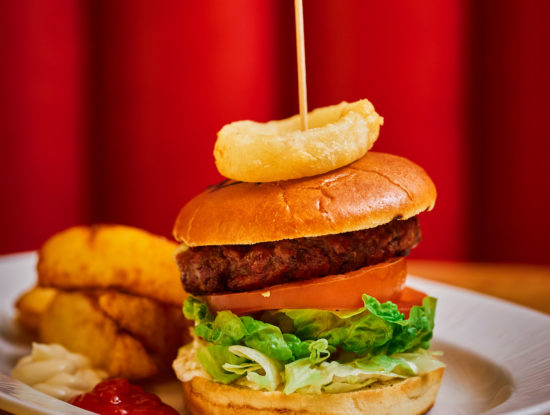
(370, 192)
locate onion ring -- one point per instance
(250, 151)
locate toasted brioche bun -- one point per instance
(413, 396)
(372, 191)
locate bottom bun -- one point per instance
(413, 396)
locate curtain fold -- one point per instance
(167, 77)
(109, 109)
(410, 62)
(510, 131)
(43, 121)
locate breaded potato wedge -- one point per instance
(75, 321)
(159, 327)
(111, 256)
(31, 305)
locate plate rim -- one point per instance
(499, 305)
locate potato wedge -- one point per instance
(76, 321)
(111, 256)
(159, 327)
(32, 304)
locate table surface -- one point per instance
(528, 285)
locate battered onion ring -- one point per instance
(338, 135)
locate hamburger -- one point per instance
(298, 294)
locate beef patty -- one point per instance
(219, 268)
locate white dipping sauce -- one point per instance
(52, 369)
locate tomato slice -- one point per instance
(408, 298)
(383, 281)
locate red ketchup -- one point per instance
(119, 397)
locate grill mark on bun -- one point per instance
(283, 196)
(385, 177)
(222, 184)
(322, 208)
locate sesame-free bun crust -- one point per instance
(413, 396)
(370, 192)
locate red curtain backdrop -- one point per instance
(44, 109)
(109, 109)
(510, 146)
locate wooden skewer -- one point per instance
(300, 50)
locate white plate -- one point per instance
(497, 353)
(17, 274)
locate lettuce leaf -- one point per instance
(227, 329)
(267, 339)
(417, 331)
(270, 369)
(213, 358)
(334, 377)
(314, 351)
(375, 329)
(194, 309)
(386, 364)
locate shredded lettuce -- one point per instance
(335, 377)
(213, 357)
(259, 362)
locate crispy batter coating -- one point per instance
(112, 293)
(32, 304)
(279, 150)
(160, 327)
(103, 324)
(111, 256)
(75, 321)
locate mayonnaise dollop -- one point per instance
(186, 366)
(52, 369)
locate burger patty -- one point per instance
(219, 268)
